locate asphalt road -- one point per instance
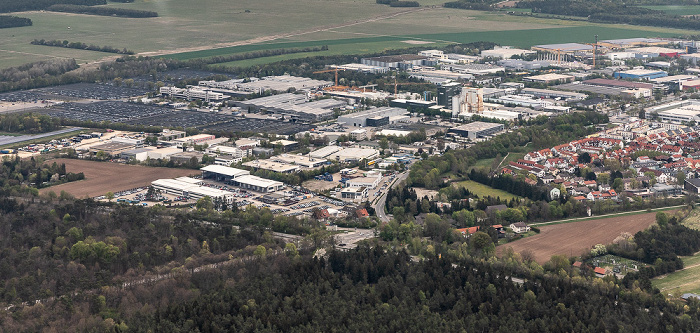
(379, 206)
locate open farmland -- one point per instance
(677, 10)
(573, 239)
(347, 26)
(103, 177)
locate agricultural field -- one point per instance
(677, 10)
(103, 177)
(686, 280)
(573, 239)
(482, 190)
(347, 26)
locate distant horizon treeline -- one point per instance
(399, 3)
(80, 46)
(7, 6)
(13, 21)
(102, 11)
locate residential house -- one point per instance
(519, 227)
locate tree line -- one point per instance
(399, 3)
(259, 54)
(103, 11)
(7, 6)
(80, 46)
(611, 12)
(14, 21)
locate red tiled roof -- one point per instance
(599, 270)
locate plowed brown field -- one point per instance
(575, 238)
(103, 177)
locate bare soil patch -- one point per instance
(103, 177)
(575, 238)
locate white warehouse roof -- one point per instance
(224, 170)
(257, 181)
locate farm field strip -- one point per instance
(103, 177)
(573, 239)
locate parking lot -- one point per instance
(113, 111)
(260, 125)
(97, 91)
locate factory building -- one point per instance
(549, 78)
(222, 173)
(191, 93)
(271, 166)
(401, 61)
(373, 117)
(304, 161)
(567, 48)
(640, 74)
(477, 129)
(257, 184)
(296, 106)
(446, 91)
(548, 93)
(505, 53)
(189, 187)
(677, 112)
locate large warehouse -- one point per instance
(640, 74)
(293, 105)
(222, 173)
(374, 117)
(477, 129)
(189, 187)
(677, 112)
(257, 184)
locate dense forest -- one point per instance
(103, 11)
(380, 290)
(13, 21)
(80, 46)
(7, 6)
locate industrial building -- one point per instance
(283, 83)
(354, 154)
(111, 148)
(367, 182)
(294, 105)
(194, 139)
(271, 166)
(445, 93)
(474, 69)
(631, 42)
(192, 92)
(401, 61)
(257, 184)
(518, 64)
(222, 173)
(640, 74)
(373, 117)
(189, 187)
(566, 48)
(677, 112)
(414, 104)
(356, 194)
(304, 161)
(655, 51)
(285, 145)
(548, 93)
(477, 129)
(505, 52)
(549, 78)
(363, 68)
(324, 152)
(521, 100)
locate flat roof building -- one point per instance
(323, 152)
(222, 173)
(368, 182)
(549, 78)
(564, 48)
(678, 112)
(354, 154)
(257, 184)
(548, 93)
(400, 61)
(505, 53)
(373, 117)
(304, 161)
(187, 188)
(271, 166)
(111, 148)
(640, 74)
(477, 129)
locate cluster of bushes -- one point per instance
(471, 4)
(13, 21)
(80, 46)
(104, 11)
(399, 3)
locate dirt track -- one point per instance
(572, 239)
(103, 177)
